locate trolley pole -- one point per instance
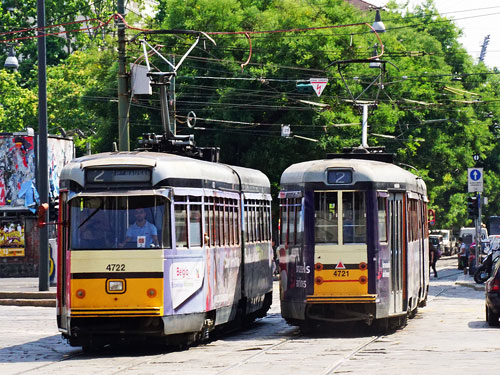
(123, 123)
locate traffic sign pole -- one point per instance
(478, 228)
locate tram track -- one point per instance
(340, 362)
(36, 370)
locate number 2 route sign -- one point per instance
(318, 84)
(475, 180)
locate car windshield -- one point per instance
(116, 222)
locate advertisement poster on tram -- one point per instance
(11, 239)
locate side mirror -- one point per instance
(41, 214)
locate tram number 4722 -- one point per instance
(115, 267)
(341, 273)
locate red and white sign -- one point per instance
(340, 266)
(318, 84)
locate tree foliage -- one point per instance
(436, 107)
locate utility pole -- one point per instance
(42, 159)
(123, 124)
(478, 229)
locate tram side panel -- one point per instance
(296, 252)
(258, 256)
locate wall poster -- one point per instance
(11, 238)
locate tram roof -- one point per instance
(363, 171)
(170, 167)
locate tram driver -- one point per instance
(141, 234)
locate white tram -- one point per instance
(353, 241)
(160, 246)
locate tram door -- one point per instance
(396, 247)
(63, 243)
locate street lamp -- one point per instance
(11, 61)
(378, 25)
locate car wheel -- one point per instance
(491, 317)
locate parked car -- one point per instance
(492, 290)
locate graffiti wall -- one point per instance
(18, 169)
(60, 152)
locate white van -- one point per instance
(448, 243)
(472, 232)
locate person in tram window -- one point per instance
(141, 234)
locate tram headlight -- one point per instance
(116, 286)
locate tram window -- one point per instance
(258, 221)
(217, 218)
(114, 222)
(194, 225)
(211, 215)
(237, 220)
(180, 225)
(284, 223)
(226, 222)
(298, 220)
(354, 217)
(291, 223)
(382, 219)
(206, 214)
(232, 221)
(266, 222)
(326, 217)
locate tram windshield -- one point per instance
(119, 222)
(350, 222)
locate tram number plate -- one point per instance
(341, 273)
(115, 267)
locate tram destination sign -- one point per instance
(109, 175)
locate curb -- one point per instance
(29, 302)
(479, 287)
(44, 299)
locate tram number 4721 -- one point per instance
(341, 273)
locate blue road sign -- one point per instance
(475, 180)
(475, 174)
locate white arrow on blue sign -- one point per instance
(475, 180)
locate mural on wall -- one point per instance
(61, 152)
(11, 238)
(18, 169)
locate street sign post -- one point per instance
(475, 185)
(475, 180)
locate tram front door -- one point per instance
(396, 225)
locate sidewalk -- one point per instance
(23, 291)
(468, 281)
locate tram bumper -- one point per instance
(341, 309)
